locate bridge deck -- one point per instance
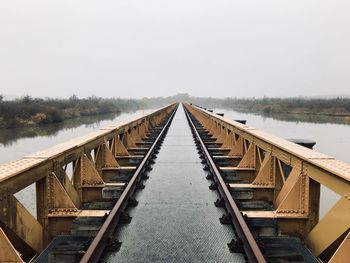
(176, 220)
(269, 187)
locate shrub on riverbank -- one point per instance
(29, 111)
(265, 106)
(332, 107)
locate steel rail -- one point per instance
(97, 246)
(250, 246)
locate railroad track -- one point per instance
(79, 216)
(89, 246)
(254, 237)
(105, 236)
(245, 237)
(107, 230)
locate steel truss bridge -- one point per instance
(268, 189)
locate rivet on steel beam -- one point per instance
(124, 218)
(144, 176)
(213, 186)
(226, 219)
(140, 186)
(241, 121)
(113, 244)
(236, 246)
(209, 176)
(302, 142)
(220, 202)
(132, 202)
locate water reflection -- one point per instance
(292, 117)
(16, 143)
(8, 137)
(316, 128)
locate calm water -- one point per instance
(332, 139)
(16, 143)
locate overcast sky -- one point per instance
(137, 48)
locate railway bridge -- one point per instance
(181, 184)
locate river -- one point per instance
(18, 142)
(332, 139)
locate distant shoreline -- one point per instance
(333, 108)
(29, 112)
(307, 117)
(35, 122)
(298, 112)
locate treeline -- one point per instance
(8, 137)
(162, 101)
(28, 111)
(299, 105)
(331, 107)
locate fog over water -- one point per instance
(160, 47)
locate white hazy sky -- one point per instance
(137, 48)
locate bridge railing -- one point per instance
(289, 176)
(59, 196)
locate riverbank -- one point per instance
(12, 135)
(300, 117)
(30, 112)
(338, 108)
(326, 107)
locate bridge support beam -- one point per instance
(18, 220)
(8, 252)
(342, 254)
(120, 149)
(332, 226)
(87, 179)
